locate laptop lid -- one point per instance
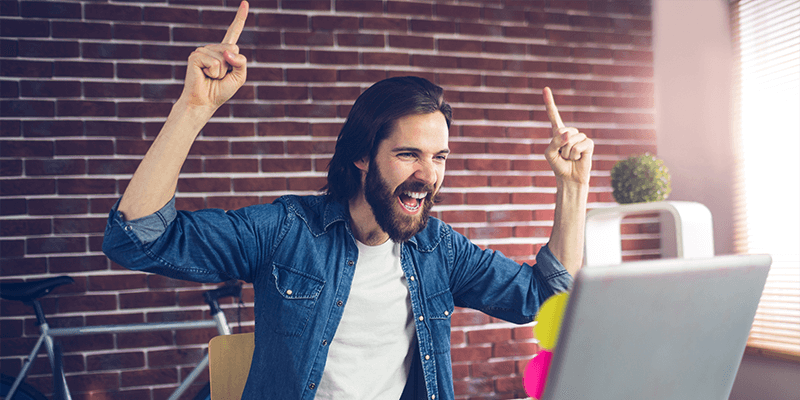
(657, 330)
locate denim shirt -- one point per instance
(299, 253)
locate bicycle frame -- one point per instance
(47, 334)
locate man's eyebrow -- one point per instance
(416, 150)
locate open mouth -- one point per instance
(412, 201)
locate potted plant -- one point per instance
(640, 178)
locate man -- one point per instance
(354, 288)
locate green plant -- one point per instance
(640, 178)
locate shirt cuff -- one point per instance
(150, 227)
(552, 270)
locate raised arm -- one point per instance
(570, 157)
(213, 75)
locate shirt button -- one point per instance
(421, 318)
(311, 386)
(339, 303)
(128, 227)
(324, 342)
(433, 397)
(289, 292)
(412, 278)
(350, 262)
(446, 313)
(427, 357)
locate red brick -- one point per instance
(452, 11)
(311, 110)
(402, 7)
(309, 38)
(87, 186)
(460, 371)
(151, 376)
(87, 303)
(50, 9)
(174, 357)
(151, 299)
(116, 282)
(79, 225)
(23, 27)
(515, 349)
(204, 185)
(511, 385)
(231, 202)
(466, 317)
(493, 369)
(473, 387)
(114, 361)
(12, 187)
(112, 89)
(257, 148)
(33, 69)
(272, 20)
(258, 110)
(259, 184)
(306, 5)
(143, 32)
(231, 165)
(464, 216)
(173, 15)
(489, 336)
(471, 353)
(329, 23)
(85, 108)
(413, 42)
(11, 167)
(311, 184)
(433, 26)
(386, 24)
(359, 40)
(27, 108)
(286, 165)
(19, 227)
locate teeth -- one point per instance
(417, 195)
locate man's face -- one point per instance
(407, 173)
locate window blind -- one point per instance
(767, 124)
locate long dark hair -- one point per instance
(371, 120)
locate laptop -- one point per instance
(657, 330)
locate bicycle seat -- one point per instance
(32, 290)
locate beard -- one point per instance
(400, 227)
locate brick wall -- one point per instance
(86, 86)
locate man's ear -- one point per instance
(362, 164)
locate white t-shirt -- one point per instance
(370, 354)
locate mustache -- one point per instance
(414, 186)
(411, 186)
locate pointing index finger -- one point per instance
(552, 110)
(232, 35)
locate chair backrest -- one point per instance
(229, 358)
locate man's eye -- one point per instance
(441, 158)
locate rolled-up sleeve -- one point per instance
(148, 228)
(552, 270)
(208, 245)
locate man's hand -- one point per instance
(570, 151)
(216, 71)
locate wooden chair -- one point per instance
(229, 358)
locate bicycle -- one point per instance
(30, 292)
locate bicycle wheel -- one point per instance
(204, 393)
(24, 391)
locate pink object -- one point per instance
(536, 374)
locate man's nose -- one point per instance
(426, 173)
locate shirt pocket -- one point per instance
(439, 309)
(292, 303)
